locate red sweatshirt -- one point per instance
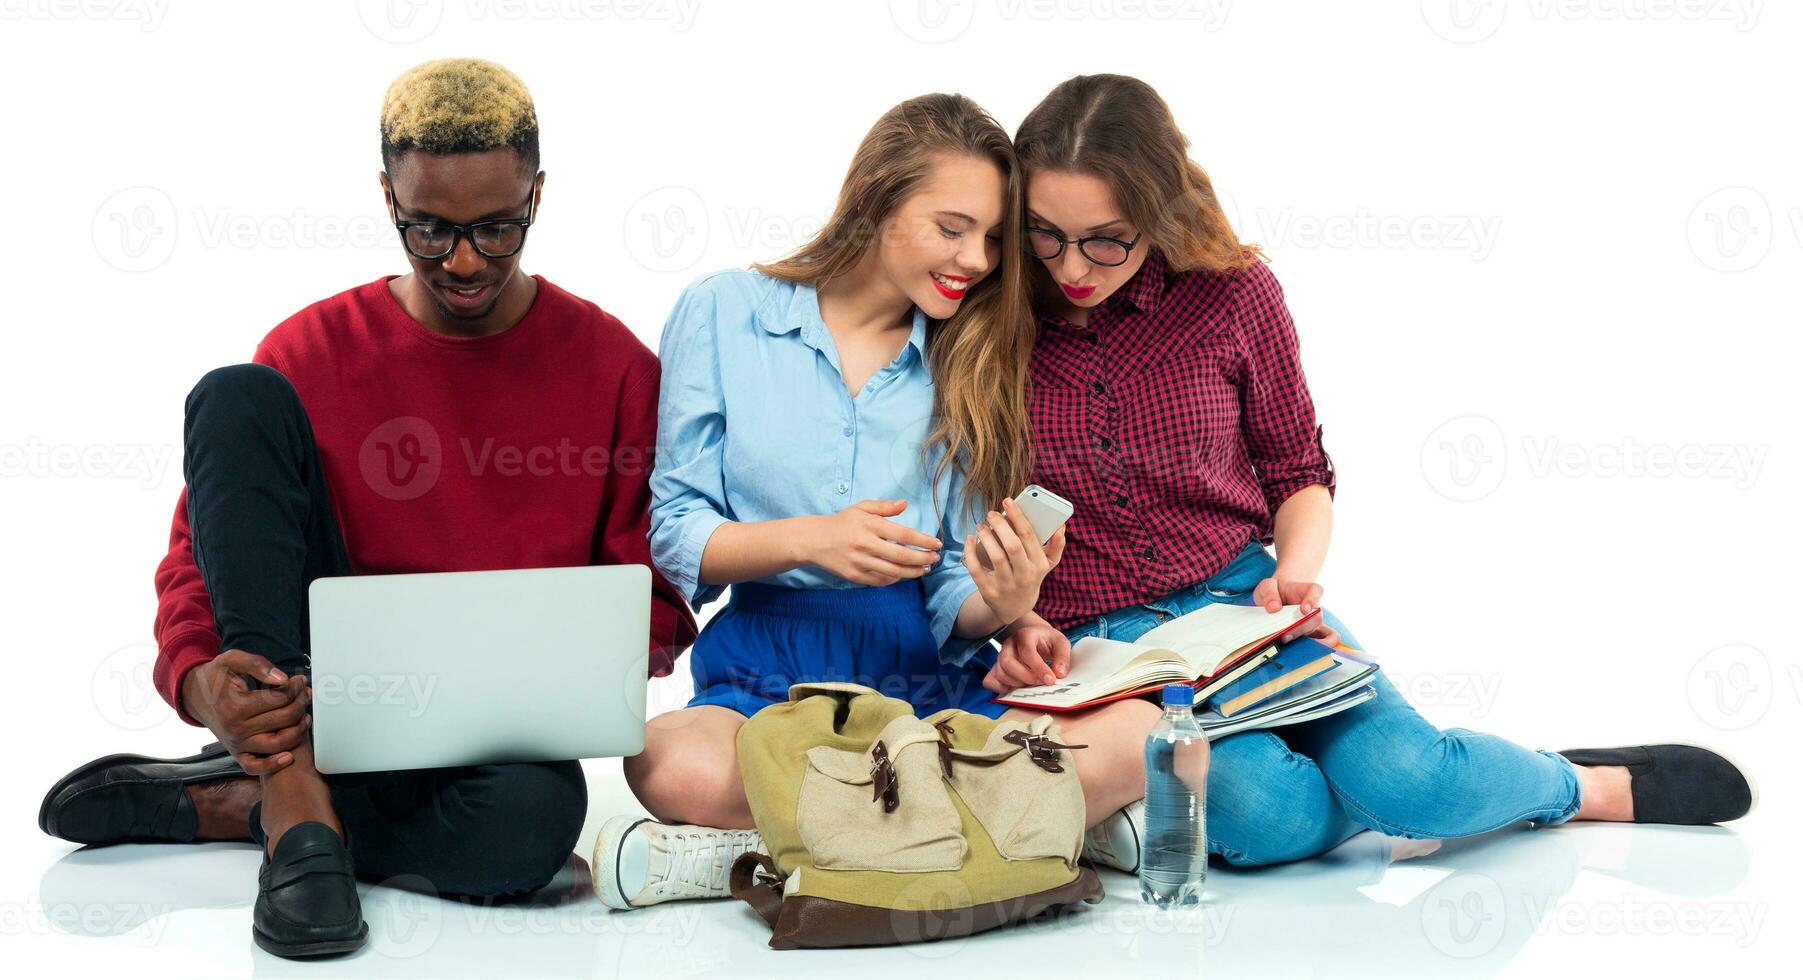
(531, 448)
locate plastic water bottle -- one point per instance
(1174, 858)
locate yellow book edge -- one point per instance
(1279, 683)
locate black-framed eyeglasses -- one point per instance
(1100, 249)
(435, 238)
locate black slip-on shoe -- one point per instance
(127, 798)
(307, 901)
(1678, 784)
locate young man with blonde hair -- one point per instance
(353, 445)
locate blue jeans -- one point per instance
(1297, 791)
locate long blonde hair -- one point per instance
(979, 357)
(1119, 129)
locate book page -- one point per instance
(1213, 633)
(1097, 668)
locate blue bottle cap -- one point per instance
(1179, 695)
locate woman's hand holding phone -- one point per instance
(1010, 562)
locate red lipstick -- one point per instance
(947, 292)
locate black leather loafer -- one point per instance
(132, 798)
(1678, 784)
(307, 901)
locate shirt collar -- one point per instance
(917, 336)
(1146, 287)
(796, 307)
(1142, 292)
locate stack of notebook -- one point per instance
(1251, 669)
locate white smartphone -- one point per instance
(1045, 510)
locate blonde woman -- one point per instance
(837, 431)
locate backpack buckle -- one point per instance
(945, 747)
(882, 778)
(1042, 749)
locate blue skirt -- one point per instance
(771, 636)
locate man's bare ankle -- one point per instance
(222, 807)
(278, 820)
(296, 796)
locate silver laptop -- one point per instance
(435, 669)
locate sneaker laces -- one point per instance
(700, 860)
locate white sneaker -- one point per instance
(639, 861)
(1116, 840)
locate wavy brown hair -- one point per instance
(1119, 129)
(979, 357)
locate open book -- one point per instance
(1190, 649)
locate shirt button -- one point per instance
(1120, 500)
(1099, 388)
(844, 487)
(1106, 443)
(848, 430)
(1148, 554)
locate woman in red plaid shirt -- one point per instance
(1169, 405)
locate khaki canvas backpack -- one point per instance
(887, 828)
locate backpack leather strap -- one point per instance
(756, 882)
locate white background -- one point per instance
(1542, 257)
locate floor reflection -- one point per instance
(1374, 906)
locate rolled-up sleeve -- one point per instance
(949, 583)
(688, 492)
(1277, 414)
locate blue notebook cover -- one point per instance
(1292, 659)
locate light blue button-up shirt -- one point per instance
(755, 424)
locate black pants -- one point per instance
(263, 528)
